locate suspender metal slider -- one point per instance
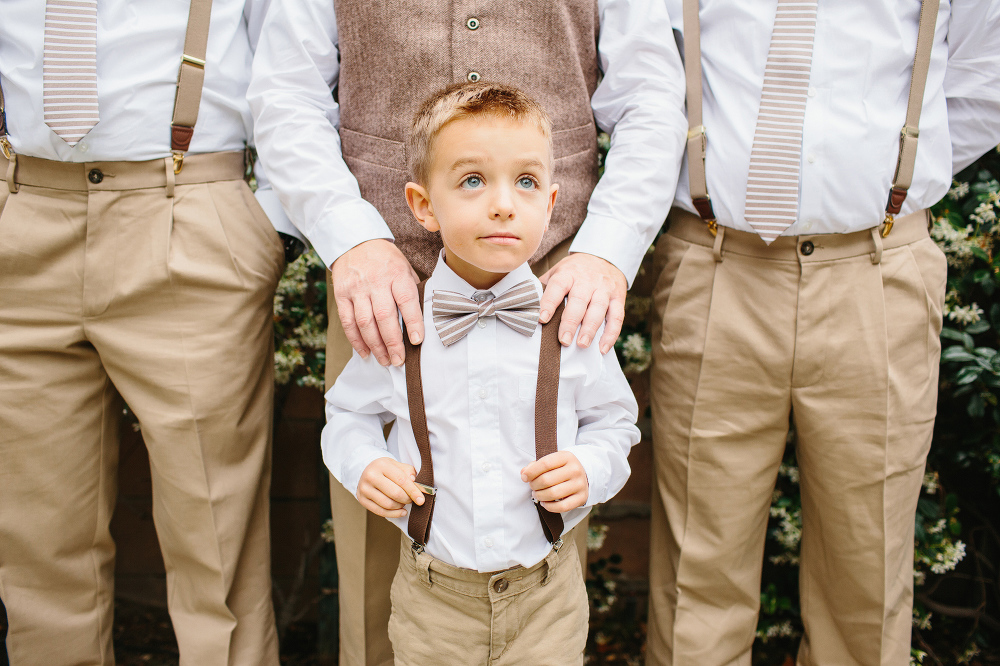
(178, 161)
(191, 60)
(8, 150)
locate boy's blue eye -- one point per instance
(526, 183)
(472, 182)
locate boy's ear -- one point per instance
(419, 202)
(553, 191)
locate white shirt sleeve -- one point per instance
(606, 413)
(640, 103)
(356, 412)
(296, 121)
(972, 81)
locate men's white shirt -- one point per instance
(139, 47)
(479, 395)
(856, 105)
(639, 102)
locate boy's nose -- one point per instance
(502, 205)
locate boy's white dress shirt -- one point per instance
(480, 401)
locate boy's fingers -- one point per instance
(574, 501)
(379, 511)
(392, 490)
(413, 492)
(557, 491)
(549, 479)
(539, 467)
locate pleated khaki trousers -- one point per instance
(108, 287)
(368, 545)
(844, 338)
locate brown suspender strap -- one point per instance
(418, 525)
(697, 137)
(190, 80)
(546, 411)
(5, 146)
(908, 136)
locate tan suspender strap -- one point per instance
(190, 80)
(419, 523)
(546, 411)
(908, 137)
(697, 139)
(418, 526)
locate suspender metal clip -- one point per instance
(178, 161)
(887, 223)
(425, 489)
(8, 150)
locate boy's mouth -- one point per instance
(501, 238)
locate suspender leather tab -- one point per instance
(418, 525)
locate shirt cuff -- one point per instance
(598, 475)
(268, 200)
(613, 241)
(355, 223)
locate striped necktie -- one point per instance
(455, 315)
(773, 181)
(69, 68)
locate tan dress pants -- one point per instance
(109, 286)
(367, 545)
(525, 616)
(844, 337)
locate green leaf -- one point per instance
(977, 406)
(981, 253)
(978, 327)
(968, 374)
(956, 353)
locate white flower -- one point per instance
(948, 559)
(596, 534)
(637, 353)
(931, 483)
(963, 314)
(958, 190)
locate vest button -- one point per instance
(472, 24)
(95, 176)
(807, 248)
(473, 76)
(501, 586)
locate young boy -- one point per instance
(482, 583)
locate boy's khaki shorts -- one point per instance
(445, 615)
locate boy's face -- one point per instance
(489, 193)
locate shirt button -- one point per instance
(501, 586)
(488, 542)
(473, 76)
(807, 248)
(472, 24)
(82, 147)
(812, 91)
(811, 158)
(482, 393)
(95, 176)
(482, 323)
(487, 466)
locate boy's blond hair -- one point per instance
(468, 100)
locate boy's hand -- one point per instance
(387, 486)
(559, 481)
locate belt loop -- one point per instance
(550, 559)
(717, 248)
(877, 240)
(171, 176)
(424, 567)
(11, 174)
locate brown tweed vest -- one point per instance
(393, 54)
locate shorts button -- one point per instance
(807, 248)
(501, 586)
(95, 176)
(472, 23)
(473, 76)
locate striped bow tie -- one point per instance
(455, 315)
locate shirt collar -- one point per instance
(445, 279)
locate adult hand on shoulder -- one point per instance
(387, 486)
(558, 481)
(369, 282)
(596, 290)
